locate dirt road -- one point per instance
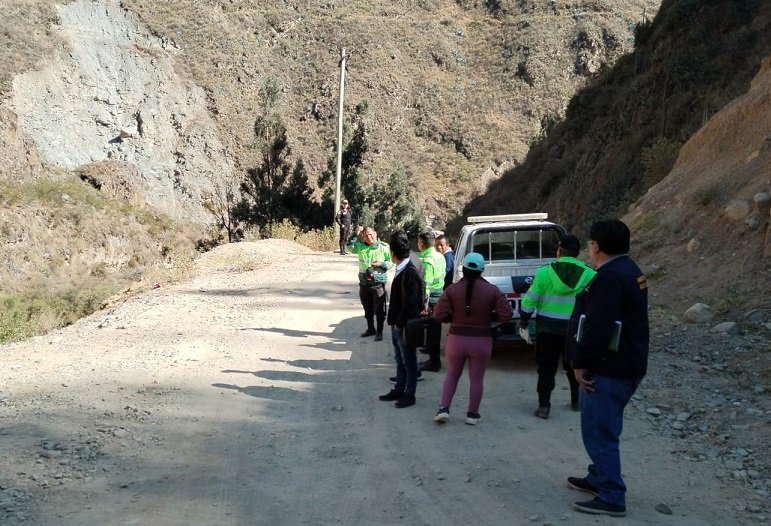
(250, 399)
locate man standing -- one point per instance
(550, 299)
(433, 277)
(406, 304)
(343, 219)
(444, 248)
(609, 350)
(374, 262)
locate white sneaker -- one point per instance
(472, 418)
(442, 416)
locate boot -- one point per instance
(370, 329)
(544, 405)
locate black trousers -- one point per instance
(373, 299)
(433, 336)
(345, 232)
(549, 349)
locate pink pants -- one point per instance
(477, 349)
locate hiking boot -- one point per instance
(600, 507)
(391, 395)
(581, 484)
(542, 412)
(368, 332)
(472, 418)
(392, 379)
(442, 416)
(405, 401)
(379, 337)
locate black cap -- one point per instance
(570, 243)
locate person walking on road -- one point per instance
(550, 299)
(469, 305)
(343, 219)
(374, 262)
(609, 353)
(406, 304)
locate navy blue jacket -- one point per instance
(618, 292)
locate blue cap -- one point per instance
(474, 261)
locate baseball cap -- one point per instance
(474, 261)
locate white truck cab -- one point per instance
(514, 246)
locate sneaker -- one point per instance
(392, 379)
(600, 507)
(472, 418)
(405, 401)
(442, 416)
(542, 412)
(379, 337)
(581, 484)
(391, 395)
(368, 332)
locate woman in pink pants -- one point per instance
(470, 305)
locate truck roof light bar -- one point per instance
(540, 216)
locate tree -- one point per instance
(221, 203)
(262, 205)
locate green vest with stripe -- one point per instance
(433, 273)
(377, 251)
(551, 297)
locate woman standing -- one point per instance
(470, 305)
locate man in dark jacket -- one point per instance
(406, 304)
(609, 352)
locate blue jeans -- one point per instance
(602, 419)
(406, 363)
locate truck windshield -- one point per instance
(512, 245)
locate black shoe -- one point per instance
(379, 337)
(574, 405)
(392, 379)
(432, 367)
(442, 416)
(391, 395)
(405, 401)
(581, 484)
(368, 332)
(472, 418)
(542, 412)
(600, 507)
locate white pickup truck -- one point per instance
(514, 247)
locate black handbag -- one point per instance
(415, 332)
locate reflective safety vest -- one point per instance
(552, 295)
(433, 273)
(378, 251)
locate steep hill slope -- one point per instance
(703, 231)
(622, 134)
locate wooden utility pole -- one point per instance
(338, 172)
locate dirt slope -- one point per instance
(249, 398)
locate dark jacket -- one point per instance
(618, 292)
(449, 263)
(488, 303)
(406, 296)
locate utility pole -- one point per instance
(338, 172)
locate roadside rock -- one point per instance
(698, 313)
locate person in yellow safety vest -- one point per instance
(550, 299)
(374, 262)
(433, 276)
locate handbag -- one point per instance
(415, 332)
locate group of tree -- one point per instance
(276, 190)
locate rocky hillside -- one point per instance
(697, 78)
(163, 96)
